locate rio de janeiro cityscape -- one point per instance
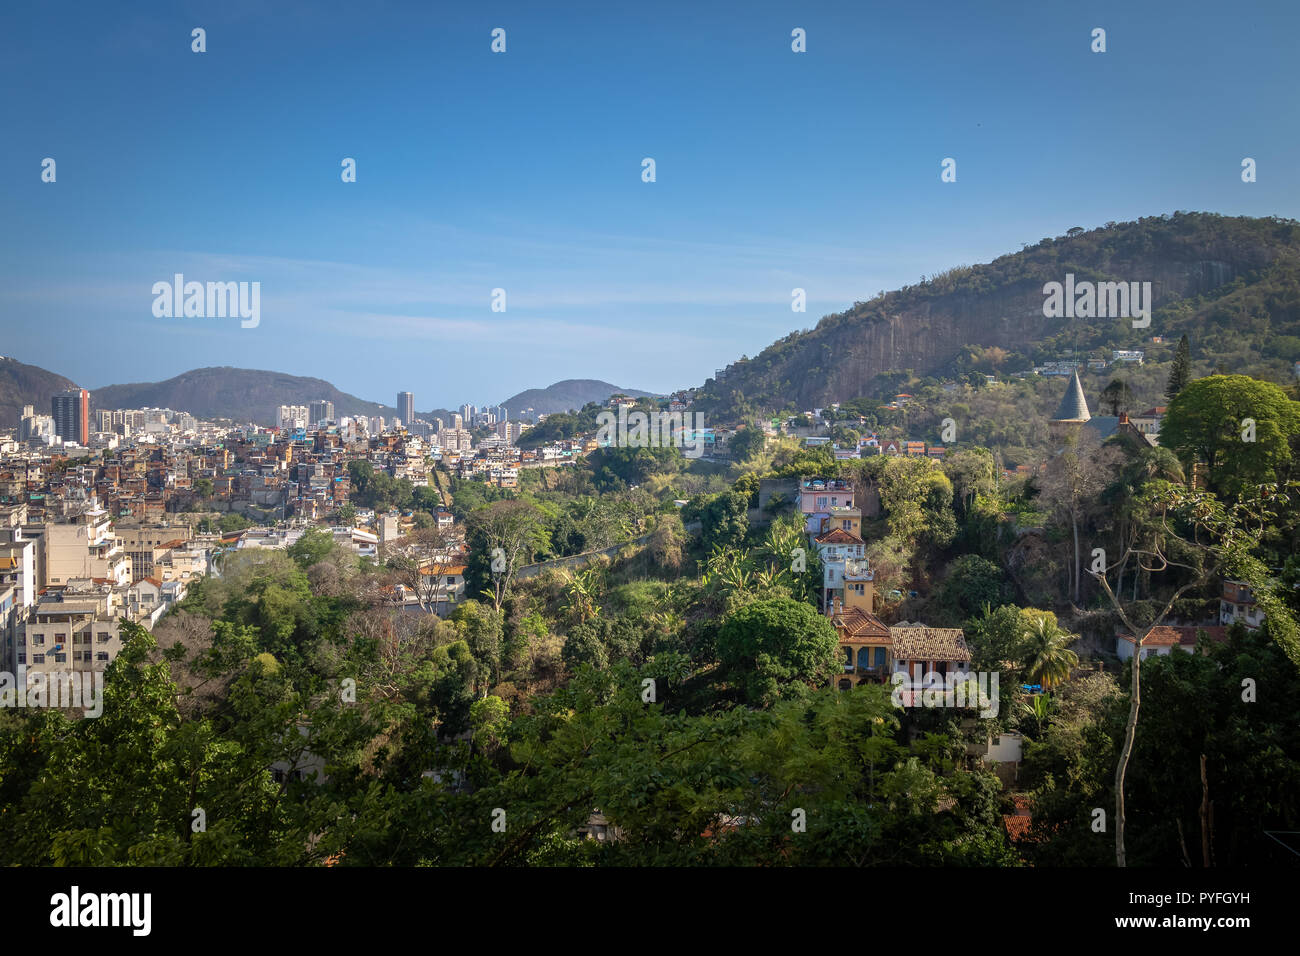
(559, 438)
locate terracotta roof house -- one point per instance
(1017, 824)
(839, 536)
(865, 646)
(1159, 641)
(936, 645)
(920, 651)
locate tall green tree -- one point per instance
(1117, 396)
(769, 647)
(502, 537)
(1240, 427)
(1046, 653)
(1193, 537)
(1073, 484)
(1180, 373)
(723, 517)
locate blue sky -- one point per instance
(522, 171)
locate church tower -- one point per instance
(1072, 412)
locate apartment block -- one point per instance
(71, 631)
(82, 545)
(71, 413)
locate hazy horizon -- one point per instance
(522, 171)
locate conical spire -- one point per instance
(1073, 407)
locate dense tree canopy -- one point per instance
(1240, 427)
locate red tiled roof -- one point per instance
(1168, 635)
(1163, 636)
(915, 642)
(857, 623)
(1156, 637)
(839, 536)
(450, 569)
(1017, 826)
(1216, 633)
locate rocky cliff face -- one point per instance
(924, 327)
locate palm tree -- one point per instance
(781, 540)
(581, 590)
(770, 576)
(1038, 708)
(727, 570)
(735, 577)
(1048, 659)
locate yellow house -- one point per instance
(843, 519)
(866, 647)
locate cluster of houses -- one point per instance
(69, 577)
(833, 509)
(872, 651)
(1067, 367)
(872, 444)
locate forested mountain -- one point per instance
(1231, 284)
(242, 394)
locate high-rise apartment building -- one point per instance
(321, 411)
(71, 413)
(291, 417)
(33, 427)
(457, 440)
(406, 407)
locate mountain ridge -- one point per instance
(22, 384)
(1232, 282)
(252, 395)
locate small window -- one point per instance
(38, 658)
(38, 640)
(101, 656)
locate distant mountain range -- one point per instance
(242, 394)
(568, 395)
(252, 395)
(1232, 284)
